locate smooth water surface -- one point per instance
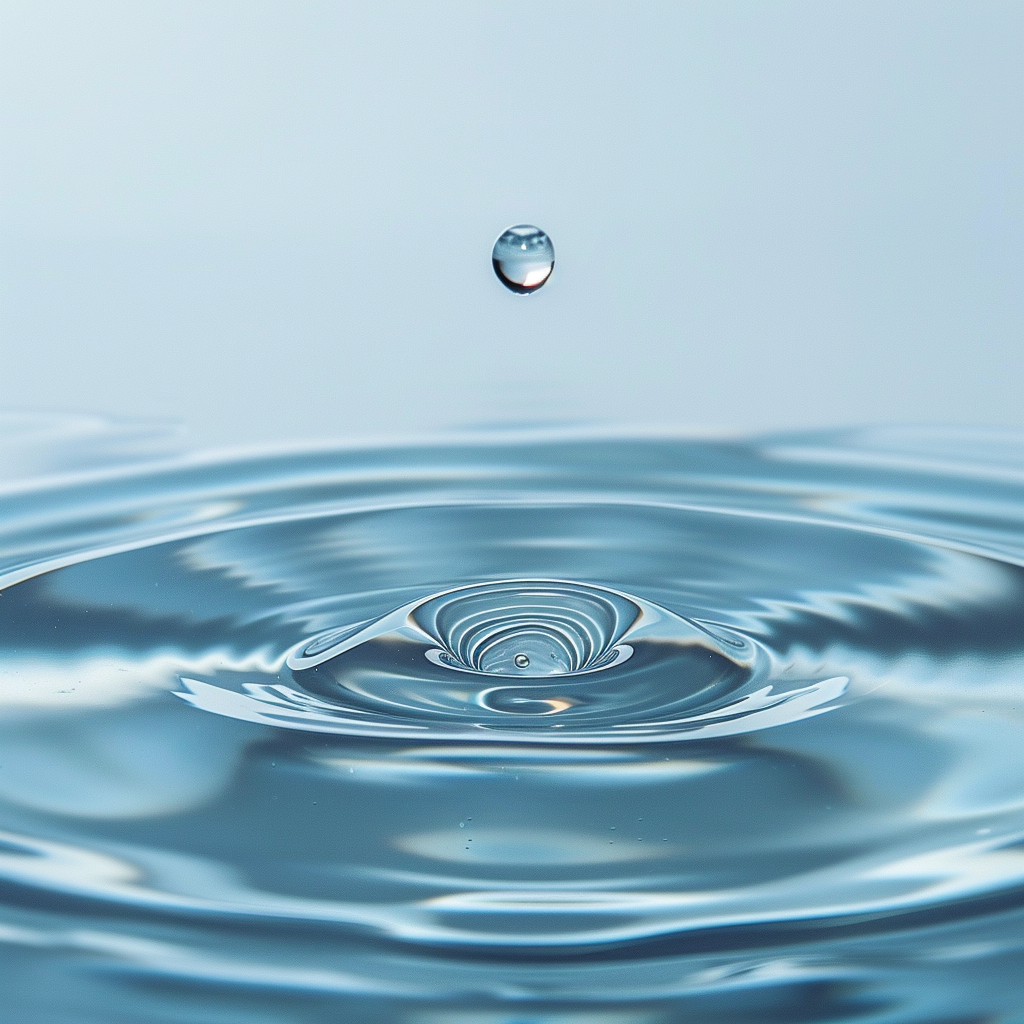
(518, 730)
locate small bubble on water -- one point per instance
(522, 661)
(523, 258)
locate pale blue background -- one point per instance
(273, 220)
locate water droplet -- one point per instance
(522, 661)
(523, 258)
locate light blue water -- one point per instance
(518, 730)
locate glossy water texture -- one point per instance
(518, 730)
(523, 258)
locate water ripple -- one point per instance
(612, 728)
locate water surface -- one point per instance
(518, 730)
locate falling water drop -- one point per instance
(523, 258)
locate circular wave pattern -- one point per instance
(610, 729)
(525, 628)
(550, 637)
(528, 628)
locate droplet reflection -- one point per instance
(523, 258)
